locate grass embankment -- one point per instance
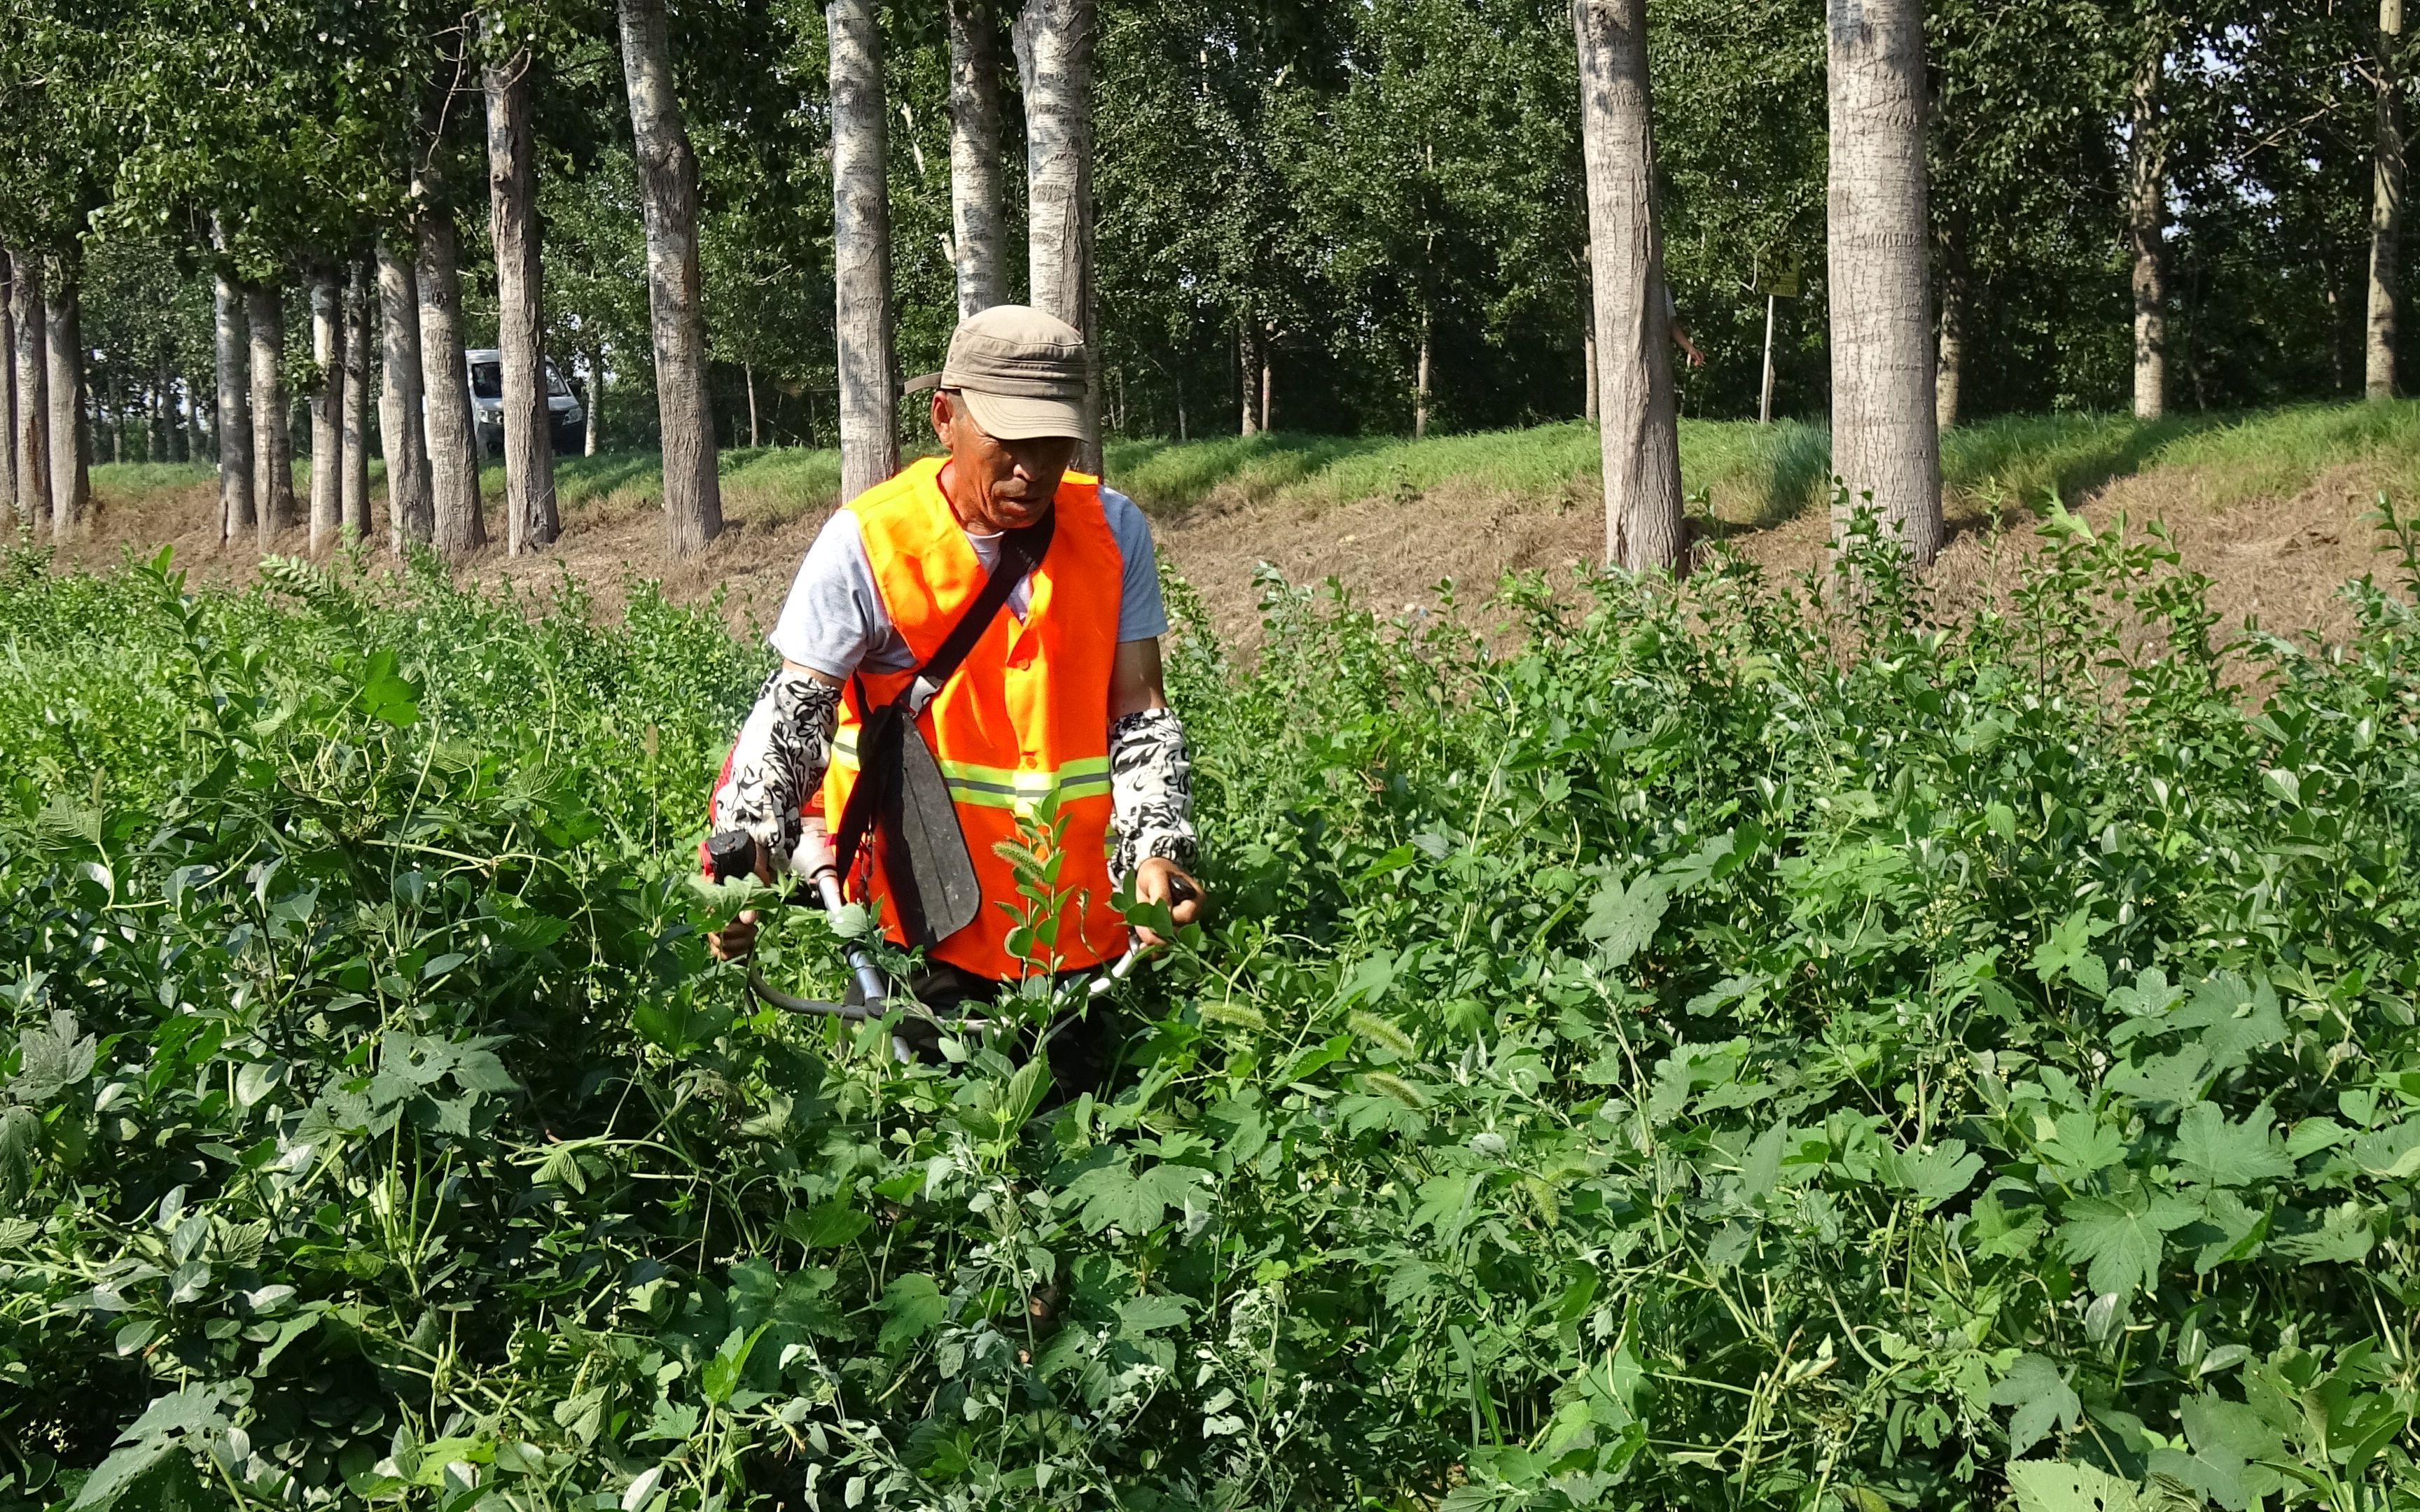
(1743, 473)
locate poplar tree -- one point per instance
(1885, 442)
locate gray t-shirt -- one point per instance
(834, 620)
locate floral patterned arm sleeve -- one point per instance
(1151, 790)
(778, 762)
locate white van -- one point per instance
(565, 420)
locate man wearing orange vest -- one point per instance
(1059, 695)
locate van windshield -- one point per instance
(487, 379)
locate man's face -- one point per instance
(996, 485)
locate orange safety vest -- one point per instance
(1026, 715)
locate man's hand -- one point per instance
(736, 940)
(1158, 880)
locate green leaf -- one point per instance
(2041, 1397)
(915, 1304)
(2046, 1486)
(1622, 919)
(1932, 1175)
(2068, 953)
(827, 1224)
(51, 1060)
(1135, 1203)
(2219, 1153)
(2083, 1145)
(2392, 1154)
(2121, 1237)
(147, 1478)
(719, 1375)
(1139, 1315)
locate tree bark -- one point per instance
(1886, 438)
(327, 402)
(530, 516)
(675, 302)
(71, 448)
(869, 386)
(17, 504)
(1590, 382)
(8, 392)
(2386, 207)
(410, 516)
(33, 431)
(273, 438)
(1638, 432)
(358, 300)
(155, 412)
(458, 523)
(975, 170)
(1054, 63)
(1268, 378)
(1247, 357)
(595, 401)
(230, 338)
(1420, 381)
(1950, 371)
(748, 375)
(189, 443)
(178, 448)
(2146, 217)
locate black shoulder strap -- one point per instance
(884, 728)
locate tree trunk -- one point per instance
(1951, 368)
(1420, 382)
(116, 401)
(595, 401)
(273, 437)
(975, 170)
(748, 375)
(230, 338)
(1886, 441)
(1247, 355)
(1639, 433)
(190, 445)
(33, 433)
(358, 298)
(2146, 216)
(326, 401)
(70, 450)
(8, 392)
(1268, 380)
(1590, 382)
(869, 427)
(1054, 63)
(675, 303)
(530, 516)
(410, 516)
(2386, 207)
(179, 399)
(155, 410)
(458, 523)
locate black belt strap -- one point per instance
(879, 739)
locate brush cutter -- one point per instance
(731, 853)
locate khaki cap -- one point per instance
(1020, 372)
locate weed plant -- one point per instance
(1746, 1048)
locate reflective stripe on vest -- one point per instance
(1005, 787)
(1025, 719)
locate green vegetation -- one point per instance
(1737, 1052)
(1748, 473)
